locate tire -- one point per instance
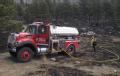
(13, 54)
(25, 54)
(71, 50)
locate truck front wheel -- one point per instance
(25, 54)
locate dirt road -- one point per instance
(43, 66)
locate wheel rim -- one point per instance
(25, 55)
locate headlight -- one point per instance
(16, 43)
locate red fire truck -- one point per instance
(39, 38)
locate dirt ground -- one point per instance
(59, 64)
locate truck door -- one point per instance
(43, 35)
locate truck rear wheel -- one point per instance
(71, 50)
(25, 54)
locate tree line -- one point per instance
(87, 12)
(83, 13)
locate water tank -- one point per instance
(61, 30)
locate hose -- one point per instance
(97, 61)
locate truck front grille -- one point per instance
(11, 39)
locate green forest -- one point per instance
(86, 11)
(83, 13)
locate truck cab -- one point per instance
(39, 38)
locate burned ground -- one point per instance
(60, 64)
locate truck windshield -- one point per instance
(31, 29)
